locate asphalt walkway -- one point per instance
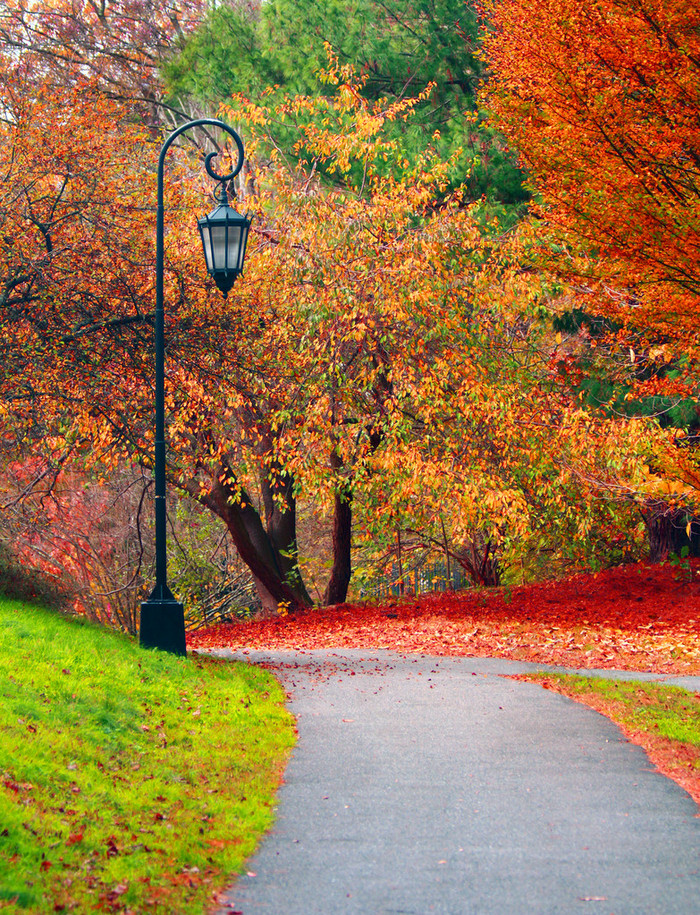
(435, 785)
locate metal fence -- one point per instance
(421, 580)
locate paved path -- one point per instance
(434, 785)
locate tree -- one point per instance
(119, 46)
(510, 477)
(77, 310)
(88, 538)
(602, 102)
(360, 286)
(77, 306)
(397, 50)
(382, 352)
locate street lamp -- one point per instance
(224, 236)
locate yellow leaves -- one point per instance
(655, 484)
(335, 73)
(344, 129)
(426, 93)
(242, 108)
(661, 354)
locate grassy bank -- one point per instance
(130, 781)
(665, 720)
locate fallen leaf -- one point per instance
(631, 617)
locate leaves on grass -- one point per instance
(78, 830)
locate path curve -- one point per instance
(435, 785)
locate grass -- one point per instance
(665, 720)
(130, 781)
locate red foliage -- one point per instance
(641, 617)
(601, 101)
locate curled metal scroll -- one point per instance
(204, 122)
(224, 179)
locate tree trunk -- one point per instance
(667, 530)
(270, 607)
(254, 544)
(281, 524)
(399, 560)
(477, 558)
(337, 589)
(450, 586)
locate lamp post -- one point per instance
(224, 234)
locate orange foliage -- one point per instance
(75, 264)
(602, 101)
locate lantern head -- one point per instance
(224, 238)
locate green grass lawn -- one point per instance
(130, 781)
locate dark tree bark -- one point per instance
(255, 545)
(478, 559)
(281, 525)
(667, 530)
(337, 588)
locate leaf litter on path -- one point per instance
(639, 617)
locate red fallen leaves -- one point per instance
(640, 617)
(112, 847)
(110, 900)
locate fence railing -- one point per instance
(421, 580)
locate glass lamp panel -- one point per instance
(218, 246)
(206, 243)
(234, 241)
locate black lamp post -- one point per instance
(224, 236)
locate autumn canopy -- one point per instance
(417, 370)
(602, 101)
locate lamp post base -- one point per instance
(163, 625)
